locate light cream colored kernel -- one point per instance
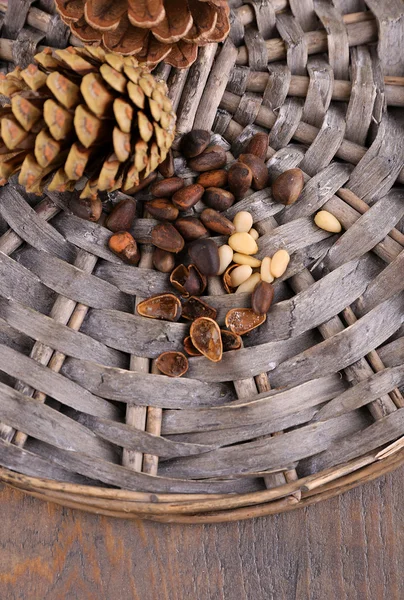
(279, 263)
(266, 274)
(243, 221)
(325, 220)
(254, 233)
(225, 257)
(243, 243)
(244, 259)
(250, 284)
(240, 274)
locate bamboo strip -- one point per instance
(154, 418)
(246, 13)
(289, 475)
(299, 84)
(137, 415)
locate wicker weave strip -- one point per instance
(65, 391)
(295, 42)
(47, 331)
(363, 94)
(319, 91)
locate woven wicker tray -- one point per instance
(84, 420)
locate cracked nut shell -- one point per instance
(243, 320)
(188, 280)
(206, 337)
(166, 307)
(230, 340)
(193, 308)
(227, 278)
(173, 364)
(190, 348)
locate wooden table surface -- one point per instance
(347, 548)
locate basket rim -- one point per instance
(247, 505)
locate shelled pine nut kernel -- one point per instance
(243, 222)
(325, 220)
(225, 257)
(265, 270)
(279, 263)
(249, 284)
(240, 274)
(245, 259)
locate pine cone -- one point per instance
(151, 30)
(78, 109)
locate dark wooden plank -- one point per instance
(346, 547)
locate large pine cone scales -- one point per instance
(151, 30)
(83, 109)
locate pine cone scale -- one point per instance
(46, 149)
(146, 13)
(204, 22)
(84, 31)
(126, 38)
(70, 9)
(105, 15)
(176, 24)
(96, 94)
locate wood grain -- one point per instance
(347, 547)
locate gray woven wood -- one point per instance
(311, 404)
